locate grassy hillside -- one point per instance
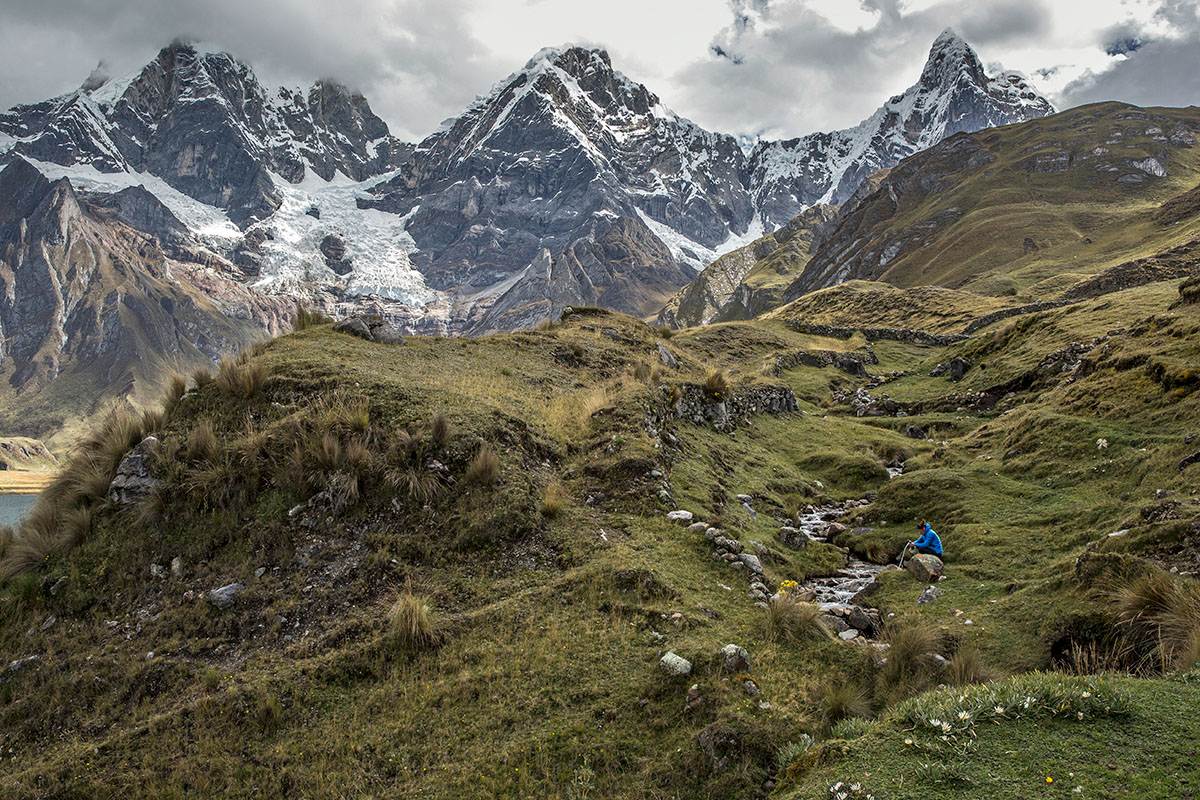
(1026, 209)
(458, 577)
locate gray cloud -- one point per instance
(796, 71)
(777, 67)
(415, 61)
(1162, 71)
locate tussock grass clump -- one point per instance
(789, 618)
(485, 467)
(268, 713)
(1160, 615)
(75, 526)
(240, 376)
(967, 667)
(552, 500)
(7, 535)
(909, 666)
(176, 389)
(309, 318)
(439, 430)
(716, 384)
(411, 621)
(202, 445)
(419, 483)
(33, 547)
(841, 701)
(343, 412)
(202, 377)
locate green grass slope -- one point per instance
(516, 486)
(1025, 209)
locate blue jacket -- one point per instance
(930, 539)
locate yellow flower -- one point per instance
(1049, 779)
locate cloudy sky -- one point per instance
(775, 68)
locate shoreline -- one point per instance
(22, 482)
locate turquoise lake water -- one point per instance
(14, 506)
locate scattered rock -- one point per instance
(958, 368)
(665, 356)
(925, 568)
(915, 432)
(938, 371)
(1187, 461)
(177, 567)
(682, 517)
(930, 594)
(223, 597)
(752, 563)
(48, 623)
(730, 545)
(936, 661)
(258, 573)
(58, 586)
(156, 571)
(133, 481)
(697, 527)
(22, 663)
(735, 658)
(693, 697)
(848, 634)
(675, 666)
(860, 597)
(861, 621)
(834, 623)
(750, 687)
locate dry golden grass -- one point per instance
(790, 618)
(485, 467)
(17, 482)
(553, 499)
(411, 622)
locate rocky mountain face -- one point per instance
(1035, 207)
(93, 311)
(204, 124)
(954, 94)
(750, 280)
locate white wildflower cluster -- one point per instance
(849, 791)
(950, 712)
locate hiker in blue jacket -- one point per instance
(929, 543)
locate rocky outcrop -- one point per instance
(134, 481)
(726, 414)
(850, 363)
(1177, 262)
(371, 327)
(875, 334)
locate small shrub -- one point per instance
(552, 500)
(212, 679)
(666, 332)
(641, 372)
(716, 384)
(411, 621)
(791, 618)
(840, 701)
(852, 728)
(578, 351)
(485, 467)
(439, 430)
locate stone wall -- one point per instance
(895, 334)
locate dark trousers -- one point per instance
(929, 551)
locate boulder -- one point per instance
(697, 527)
(682, 517)
(674, 665)
(371, 327)
(848, 634)
(223, 597)
(861, 621)
(735, 658)
(725, 543)
(693, 697)
(958, 368)
(834, 623)
(752, 563)
(930, 594)
(860, 597)
(915, 432)
(133, 481)
(793, 538)
(924, 568)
